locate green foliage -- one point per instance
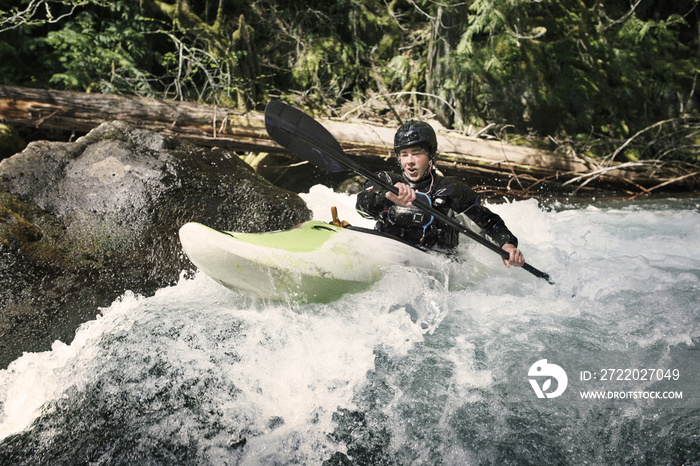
(98, 49)
(558, 67)
(98, 55)
(325, 50)
(594, 73)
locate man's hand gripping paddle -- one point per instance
(309, 140)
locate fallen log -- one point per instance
(81, 112)
(228, 128)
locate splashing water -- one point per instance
(197, 374)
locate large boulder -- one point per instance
(82, 222)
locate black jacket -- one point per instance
(447, 194)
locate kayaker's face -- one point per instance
(415, 162)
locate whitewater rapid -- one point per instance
(197, 374)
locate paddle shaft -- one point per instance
(316, 143)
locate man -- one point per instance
(415, 145)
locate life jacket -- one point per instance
(411, 223)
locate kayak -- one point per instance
(314, 261)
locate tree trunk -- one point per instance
(444, 37)
(80, 112)
(245, 132)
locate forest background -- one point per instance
(614, 80)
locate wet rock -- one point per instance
(82, 222)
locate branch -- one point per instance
(623, 18)
(596, 173)
(641, 131)
(27, 17)
(425, 94)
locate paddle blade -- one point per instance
(302, 135)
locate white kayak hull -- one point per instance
(315, 261)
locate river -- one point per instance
(409, 371)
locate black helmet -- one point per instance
(415, 133)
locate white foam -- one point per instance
(283, 369)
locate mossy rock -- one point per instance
(83, 222)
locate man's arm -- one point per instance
(490, 223)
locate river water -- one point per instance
(409, 371)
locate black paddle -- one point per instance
(309, 140)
